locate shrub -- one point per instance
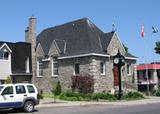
(56, 89)
(103, 96)
(40, 96)
(8, 80)
(157, 92)
(133, 95)
(71, 96)
(83, 84)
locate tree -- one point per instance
(157, 47)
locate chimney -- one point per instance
(30, 37)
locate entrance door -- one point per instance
(116, 76)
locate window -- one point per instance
(40, 68)
(8, 90)
(4, 55)
(128, 69)
(30, 89)
(55, 66)
(27, 65)
(20, 89)
(102, 68)
(76, 68)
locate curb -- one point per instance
(119, 103)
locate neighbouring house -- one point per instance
(15, 61)
(78, 48)
(148, 76)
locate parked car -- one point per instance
(19, 96)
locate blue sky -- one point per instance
(129, 15)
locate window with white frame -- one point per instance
(76, 68)
(39, 68)
(102, 68)
(27, 65)
(55, 66)
(4, 54)
(128, 69)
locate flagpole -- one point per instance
(145, 53)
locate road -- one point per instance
(97, 109)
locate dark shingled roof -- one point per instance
(130, 55)
(81, 37)
(75, 38)
(20, 52)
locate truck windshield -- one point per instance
(1, 88)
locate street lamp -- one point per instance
(119, 61)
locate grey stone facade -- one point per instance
(89, 64)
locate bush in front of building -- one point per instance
(8, 80)
(72, 96)
(157, 92)
(103, 96)
(83, 84)
(56, 90)
(133, 96)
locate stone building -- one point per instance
(77, 48)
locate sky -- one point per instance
(128, 16)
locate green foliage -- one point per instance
(8, 80)
(71, 96)
(133, 96)
(157, 92)
(157, 47)
(40, 96)
(103, 96)
(56, 89)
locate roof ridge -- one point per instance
(67, 23)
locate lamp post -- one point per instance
(119, 61)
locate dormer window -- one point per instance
(4, 55)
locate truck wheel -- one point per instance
(28, 106)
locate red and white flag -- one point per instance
(142, 32)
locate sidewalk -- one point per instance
(49, 102)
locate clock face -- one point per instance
(116, 60)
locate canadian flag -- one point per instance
(142, 32)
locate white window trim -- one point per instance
(52, 67)
(27, 65)
(38, 69)
(104, 67)
(129, 69)
(74, 72)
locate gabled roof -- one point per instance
(80, 37)
(128, 55)
(105, 39)
(20, 52)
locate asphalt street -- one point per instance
(96, 109)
